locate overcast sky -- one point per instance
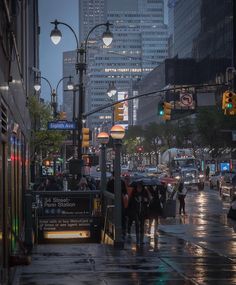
(51, 55)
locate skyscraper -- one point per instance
(139, 45)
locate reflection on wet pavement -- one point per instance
(199, 248)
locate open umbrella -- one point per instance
(168, 180)
(146, 182)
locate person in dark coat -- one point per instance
(138, 210)
(52, 185)
(155, 208)
(182, 191)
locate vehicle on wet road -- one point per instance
(215, 180)
(228, 185)
(191, 177)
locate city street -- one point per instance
(197, 248)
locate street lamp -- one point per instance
(80, 67)
(103, 139)
(111, 92)
(117, 133)
(53, 92)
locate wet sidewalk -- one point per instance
(198, 248)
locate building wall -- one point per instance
(18, 55)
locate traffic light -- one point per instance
(85, 137)
(62, 115)
(229, 102)
(160, 109)
(118, 112)
(167, 111)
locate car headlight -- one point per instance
(201, 175)
(177, 177)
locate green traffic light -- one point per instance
(161, 112)
(229, 105)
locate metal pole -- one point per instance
(118, 242)
(103, 168)
(81, 68)
(74, 131)
(234, 45)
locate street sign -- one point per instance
(61, 125)
(186, 99)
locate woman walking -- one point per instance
(138, 210)
(182, 191)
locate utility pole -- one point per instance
(234, 45)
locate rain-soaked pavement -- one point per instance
(198, 248)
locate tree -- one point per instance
(43, 141)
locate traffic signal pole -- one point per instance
(234, 45)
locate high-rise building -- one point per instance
(139, 45)
(200, 29)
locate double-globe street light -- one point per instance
(111, 92)
(80, 66)
(53, 92)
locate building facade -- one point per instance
(18, 56)
(139, 44)
(200, 45)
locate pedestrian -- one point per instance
(52, 184)
(155, 208)
(83, 184)
(207, 172)
(138, 210)
(182, 191)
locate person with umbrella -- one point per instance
(138, 209)
(155, 208)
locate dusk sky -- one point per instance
(51, 55)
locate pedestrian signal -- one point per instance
(85, 137)
(119, 112)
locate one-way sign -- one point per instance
(61, 125)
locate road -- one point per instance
(198, 248)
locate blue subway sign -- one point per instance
(61, 125)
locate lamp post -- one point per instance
(53, 92)
(80, 67)
(111, 92)
(103, 139)
(117, 133)
(37, 87)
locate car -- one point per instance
(228, 185)
(215, 179)
(192, 178)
